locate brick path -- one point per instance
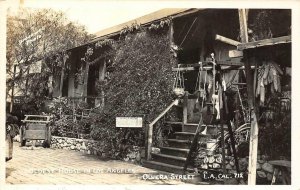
(56, 166)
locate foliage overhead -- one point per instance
(38, 35)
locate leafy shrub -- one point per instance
(140, 85)
(66, 123)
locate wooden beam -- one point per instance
(250, 91)
(226, 40)
(185, 111)
(171, 33)
(149, 136)
(243, 25)
(235, 53)
(209, 68)
(266, 42)
(229, 63)
(253, 122)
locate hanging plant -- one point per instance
(130, 29)
(159, 25)
(105, 42)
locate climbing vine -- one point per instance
(139, 85)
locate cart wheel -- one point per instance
(22, 141)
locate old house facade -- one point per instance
(215, 49)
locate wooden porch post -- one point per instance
(85, 80)
(64, 59)
(102, 72)
(149, 136)
(185, 109)
(250, 92)
(171, 34)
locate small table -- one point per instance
(281, 166)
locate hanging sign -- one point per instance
(129, 122)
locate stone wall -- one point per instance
(93, 147)
(82, 145)
(264, 170)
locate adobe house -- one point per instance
(238, 42)
(192, 29)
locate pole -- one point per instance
(149, 134)
(185, 110)
(250, 91)
(254, 125)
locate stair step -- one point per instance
(185, 135)
(189, 128)
(182, 152)
(173, 122)
(180, 123)
(165, 167)
(177, 149)
(168, 159)
(171, 157)
(211, 129)
(179, 143)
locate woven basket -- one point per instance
(179, 92)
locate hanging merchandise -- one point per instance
(268, 74)
(215, 85)
(178, 87)
(223, 83)
(215, 100)
(202, 91)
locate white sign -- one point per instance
(32, 37)
(134, 122)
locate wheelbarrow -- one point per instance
(36, 127)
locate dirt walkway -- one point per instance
(56, 166)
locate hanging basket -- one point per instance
(179, 92)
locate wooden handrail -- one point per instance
(175, 102)
(150, 128)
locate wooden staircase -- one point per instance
(173, 157)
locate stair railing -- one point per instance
(149, 128)
(193, 146)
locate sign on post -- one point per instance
(129, 122)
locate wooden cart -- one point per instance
(36, 127)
